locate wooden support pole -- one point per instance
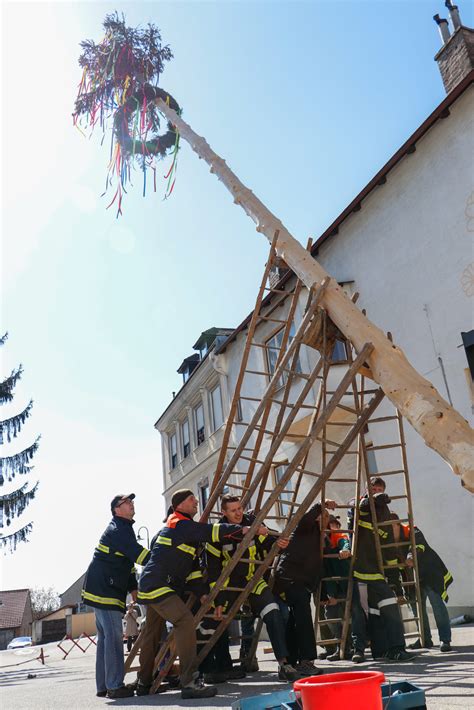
(440, 425)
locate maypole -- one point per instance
(119, 82)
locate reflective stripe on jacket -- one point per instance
(111, 574)
(174, 561)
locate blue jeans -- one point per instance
(109, 665)
(440, 614)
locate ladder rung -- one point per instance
(395, 544)
(412, 634)
(334, 579)
(408, 584)
(251, 458)
(254, 562)
(383, 446)
(398, 497)
(234, 485)
(341, 424)
(234, 589)
(346, 408)
(297, 374)
(329, 621)
(272, 320)
(342, 480)
(397, 566)
(257, 372)
(389, 522)
(278, 290)
(382, 419)
(390, 473)
(286, 502)
(328, 642)
(332, 556)
(413, 618)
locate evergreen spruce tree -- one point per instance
(13, 504)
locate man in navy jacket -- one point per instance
(109, 578)
(173, 569)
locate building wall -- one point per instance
(82, 624)
(409, 251)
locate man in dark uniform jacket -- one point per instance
(173, 569)
(108, 580)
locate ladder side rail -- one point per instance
(411, 523)
(281, 353)
(278, 424)
(272, 386)
(243, 365)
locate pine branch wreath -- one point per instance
(119, 87)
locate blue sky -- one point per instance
(305, 101)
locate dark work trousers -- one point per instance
(247, 628)
(375, 615)
(218, 660)
(334, 611)
(174, 610)
(264, 605)
(300, 630)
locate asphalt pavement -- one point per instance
(446, 678)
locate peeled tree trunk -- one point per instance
(440, 425)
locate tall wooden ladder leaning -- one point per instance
(361, 481)
(272, 419)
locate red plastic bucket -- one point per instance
(341, 691)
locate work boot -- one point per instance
(122, 692)
(336, 656)
(143, 689)
(418, 645)
(445, 646)
(196, 689)
(307, 668)
(250, 665)
(287, 673)
(235, 673)
(400, 655)
(358, 656)
(101, 693)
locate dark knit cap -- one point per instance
(179, 496)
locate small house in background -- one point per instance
(16, 615)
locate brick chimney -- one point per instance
(456, 56)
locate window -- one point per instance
(204, 494)
(173, 451)
(238, 412)
(287, 493)
(371, 460)
(273, 350)
(199, 424)
(185, 438)
(339, 353)
(468, 342)
(216, 404)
